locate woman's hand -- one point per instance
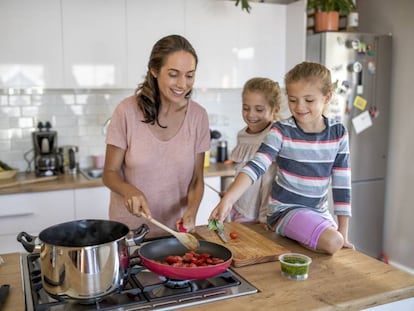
(137, 204)
(186, 223)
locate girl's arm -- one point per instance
(343, 222)
(235, 191)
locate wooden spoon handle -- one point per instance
(158, 224)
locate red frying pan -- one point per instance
(153, 253)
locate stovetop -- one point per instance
(143, 290)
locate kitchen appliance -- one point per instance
(142, 290)
(69, 159)
(361, 65)
(46, 158)
(83, 259)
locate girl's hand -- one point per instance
(348, 244)
(221, 211)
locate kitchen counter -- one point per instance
(349, 280)
(77, 181)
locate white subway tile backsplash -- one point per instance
(78, 116)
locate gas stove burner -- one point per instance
(171, 283)
(142, 290)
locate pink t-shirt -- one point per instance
(162, 170)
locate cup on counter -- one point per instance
(98, 161)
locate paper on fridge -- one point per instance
(362, 122)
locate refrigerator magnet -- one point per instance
(360, 102)
(362, 121)
(371, 68)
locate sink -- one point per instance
(92, 173)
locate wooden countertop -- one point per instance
(349, 280)
(76, 181)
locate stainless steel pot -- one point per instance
(84, 259)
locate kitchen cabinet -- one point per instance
(147, 22)
(31, 54)
(32, 212)
(94, 43)
(92, 203)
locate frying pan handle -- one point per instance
(27, 240)
(138, 235)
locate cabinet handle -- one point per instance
(16, 215)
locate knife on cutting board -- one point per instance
(218, 228)
(221, 235)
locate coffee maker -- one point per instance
(46, 157)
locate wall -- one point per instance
(396, 17)
(79, 116)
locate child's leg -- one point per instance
(312, 230)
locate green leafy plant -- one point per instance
(341, 6)
(244, 5)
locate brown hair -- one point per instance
(312, 72)
(270, 90)
(147, 93)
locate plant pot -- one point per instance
(326, 21)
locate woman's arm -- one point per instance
(194, 195)
(134, 199)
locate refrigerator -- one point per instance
(360, 65)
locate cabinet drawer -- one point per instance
(33, 212)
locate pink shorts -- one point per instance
(304, 226)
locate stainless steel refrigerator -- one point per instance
(360, 63)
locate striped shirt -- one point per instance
(309, 163)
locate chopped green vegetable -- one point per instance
(213, 225)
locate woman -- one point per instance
(156, 142)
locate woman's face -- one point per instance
(256, 112)
(307, 104)
(176, 77)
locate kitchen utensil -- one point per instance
(27, 181)
(153, 253)
(4, 292)
(187, 239)
(221, 235)
(212, 188)
(84, 259)
(248, 248)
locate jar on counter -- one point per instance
(222, 151)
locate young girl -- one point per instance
(312, 153)
(261, 99)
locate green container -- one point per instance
(295, 266)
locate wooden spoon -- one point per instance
(187, 239)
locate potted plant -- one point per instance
(327, 13)
(244, 5)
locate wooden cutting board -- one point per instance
(248, 248)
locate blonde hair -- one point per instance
(311, 72)
(269, 89)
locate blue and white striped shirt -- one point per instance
(308, 164)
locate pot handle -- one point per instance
(27, 240)
(138, 235)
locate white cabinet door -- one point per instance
(32, 212)
(31, 46)
(209, 201)
(262, 42)
(234, 46)
(94, 43)
(147, 22)
(212, 27)
(92, 203)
